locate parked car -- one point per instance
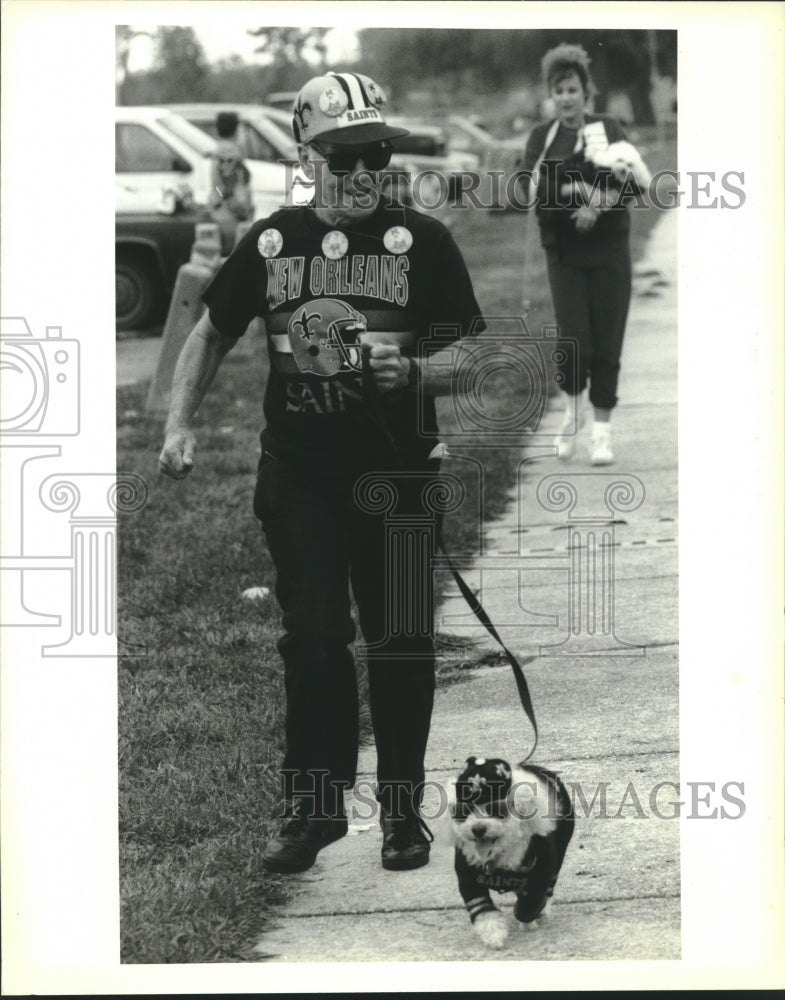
(426, 151)
(471, 136)
(506, 155)
(264, 133)
(282, 116)
(150, 248)
(283, 99)
(260, 136)
(161, 158)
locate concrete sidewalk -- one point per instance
(606, 700)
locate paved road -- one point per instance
(607, 711)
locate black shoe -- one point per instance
(406, 842)
(299, 841)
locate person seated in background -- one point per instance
(231, 200)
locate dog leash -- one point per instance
(373, 399)
(479, 611)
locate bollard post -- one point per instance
(185, 309)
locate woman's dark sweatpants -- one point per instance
(321, 539)
(591, 298)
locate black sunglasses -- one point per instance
(375, 157)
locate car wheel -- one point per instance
(136, 296)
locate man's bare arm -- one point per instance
(196, 368)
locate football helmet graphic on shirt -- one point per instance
(325, 337)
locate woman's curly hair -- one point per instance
(563, 60)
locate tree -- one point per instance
(289, 45)
(287, 51)
(488, 61)
(124, 36)
(181, 67)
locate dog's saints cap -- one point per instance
(342, 108)
(484, 780)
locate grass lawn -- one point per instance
(200, 683)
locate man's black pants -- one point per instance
(376, 532)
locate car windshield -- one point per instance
(188, 133)
(283, 119)
(277, 135)
(258, 138)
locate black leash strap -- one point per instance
(375, 406)
(520, 679)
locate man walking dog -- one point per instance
(348, 288)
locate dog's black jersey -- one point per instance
(534, 881)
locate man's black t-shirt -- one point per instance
(396, 277)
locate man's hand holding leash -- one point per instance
(389, 367)
(395, 372)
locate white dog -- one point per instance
(624, 160)
(511, 827)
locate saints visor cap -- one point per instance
(344, 109)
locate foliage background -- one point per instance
(493, 73)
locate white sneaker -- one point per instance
(600, 452)
(568, 432)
